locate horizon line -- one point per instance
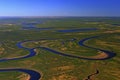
(50, 16)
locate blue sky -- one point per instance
(59, 7)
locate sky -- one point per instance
(59, 7)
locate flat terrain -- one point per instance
(62, 35)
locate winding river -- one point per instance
(34, 75)
(77, 30)
(108, 53)
(89, 77)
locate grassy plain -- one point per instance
(56, 67)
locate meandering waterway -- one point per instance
(34, 75)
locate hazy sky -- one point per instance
(59, 7)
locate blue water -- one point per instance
(81, 43)
(32, 26)
(77, 30)
(35, 28)
(109, 53)
(19, 44)
(35, 75)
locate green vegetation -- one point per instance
(56, 67)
